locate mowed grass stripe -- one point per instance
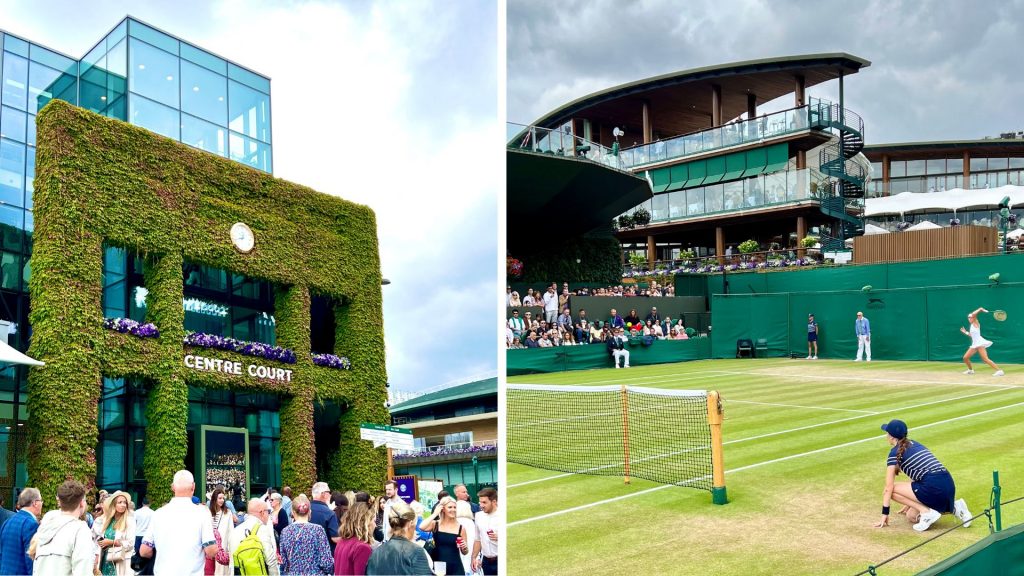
(806, 516)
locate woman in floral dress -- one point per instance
(304, 546)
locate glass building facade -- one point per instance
(151, 79)
(937, 175)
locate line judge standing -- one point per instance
(863, 329)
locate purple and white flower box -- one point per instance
(255, 349)
(129, 326)
(332, 361)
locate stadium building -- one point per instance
(456, 434)
(267, 413)
(720, 168)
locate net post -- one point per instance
(625, 431)
(996, 497)
(718, 495)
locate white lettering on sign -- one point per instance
(227, 367)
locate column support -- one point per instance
(716, 106)
(799, 91)
(720, 244)
(801, 231)
(652, 252)
(648, 131)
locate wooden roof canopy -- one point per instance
(681, 102)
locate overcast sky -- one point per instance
(940, 69)
(389, 104)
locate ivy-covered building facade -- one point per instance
(175, 289)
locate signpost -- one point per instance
(389, 436)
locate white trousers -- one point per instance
(616, 354)
(863, 343)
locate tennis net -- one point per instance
(659, 435)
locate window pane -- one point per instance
(16, 45)
(915, 167)
(659, 207)
(41, 82)
(204, 59)
(978, 164)
(897, 169)
(10, 270)
(250, 152)
(30, 176)
(12, 222)
(695, 201)
(249, 78)
(753, 192)
(998, 163)
(12, 173)
(1016, 162)
(206, 316)
(154, 73)
(15, 81)
(154, 37)
(955, 166)
(677, 204)
(936, 167)
(12, 124)
(204, 135)
(155, 117)
(713, 201)
(249, 111)
(204, 93)
(734, 195)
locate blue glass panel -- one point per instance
(12, 223)
(204, 59)
(249, 111)
(30, 134)
(250, 152)
(16, 45)
(154, 116)
(12, 124)
(52, 59)
(204, 135)
(12, 173)
(204, 93)
(10, 270)
(152, 36)
(94, 80)
(116, 81)
(154, 73)
(117, 34)
(45, 84)
(30, 176)
(248, 78)
(15, 88)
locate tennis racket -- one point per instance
(999, 315)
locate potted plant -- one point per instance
(625, 222)
(748, 246)
(809, 241)
(641, 217)
(637, 260)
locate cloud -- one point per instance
(940, 70)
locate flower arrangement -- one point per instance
(809, 241)
(444, 450)
(513, 267)
(332, 361)
(748, 246)
(255, 349)
(129, 326)
(637, 259)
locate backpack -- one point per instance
(249, 558)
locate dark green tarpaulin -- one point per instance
(999, 554)
(587, 357)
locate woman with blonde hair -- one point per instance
(115, 534)
(304, 546)
(449, 536)
(399, 555)
(356, 532)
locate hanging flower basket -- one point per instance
(129, 326)
(513, 267)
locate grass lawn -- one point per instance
(805, 465)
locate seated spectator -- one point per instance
(516, 324)
(582, 332)
(597, 332)
(509, 336)
(516, 344)
(670, 291)
(617, 348)
(653, 316)
(565, 319)
(666, 326)
(679, 333)
(513, 301)
(531, 340)
(528, 318)
(633, 319)
(615, 321)
(545, 341)
(657, 331)
(567, 338)
(530, 300)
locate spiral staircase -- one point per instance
(844, 199)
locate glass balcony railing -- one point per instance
(560, 142)
(734, 134)
(766, 190)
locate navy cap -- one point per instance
(896, 428)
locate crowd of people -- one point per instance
(553, 299)
(325, 533)
(522, 330)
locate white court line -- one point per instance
(809, 426)
(861, 378)
(730, 401)
(750, 466)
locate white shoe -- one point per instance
(616, 366)
(926, 520)
(968, 371)
(626, 366)
(869, 359)
(998, 373)
(814, 357)
(808, 358)
(857, 360)
(961, 512)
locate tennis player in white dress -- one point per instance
(978, 344)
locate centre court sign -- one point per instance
(205, 364)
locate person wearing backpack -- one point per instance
(252, 542)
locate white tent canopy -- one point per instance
(1014, 234)
(925, 225)
(870, 229)
(949, 200)
(9, 355)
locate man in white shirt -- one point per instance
(391, 491)
(485, 549)
(142, 518)
(180, 532)
(550, 305)
(258, 512)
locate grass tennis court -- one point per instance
(805, 463)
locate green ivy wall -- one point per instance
(103, 181)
